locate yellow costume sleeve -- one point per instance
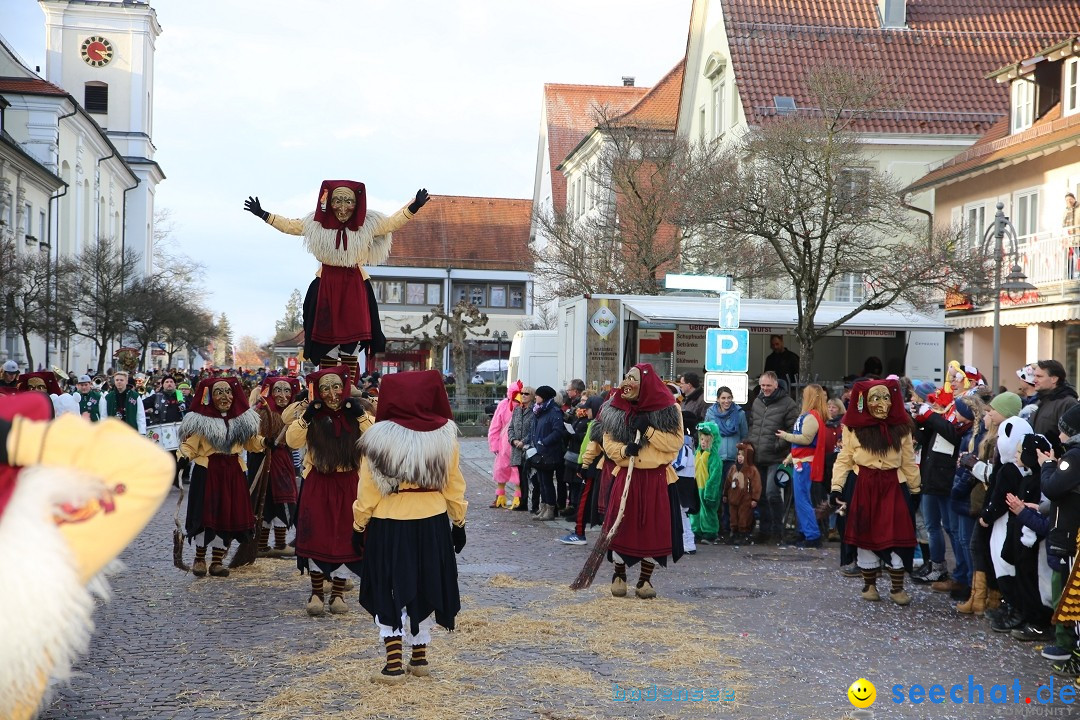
(136, 473)
(909, 470)
(394, 222)
(845, 461)
(286, 225)
(367, 497)
(454, 492)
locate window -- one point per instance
(1023, 104)
(459, 293)
(784, 104)
(854, 185)
(701, 123)
(718, 110)
(1072, 86)
(1026, 219)
(434, 294)
(848, 288)
(974, 224)
(41, 226)
(477, 295)
(96, 97)
(414, 293)
(28, 217)
(517, 297)
(497, 295)
(395, 289)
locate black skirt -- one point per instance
(410, 565)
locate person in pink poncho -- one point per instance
(499, 443)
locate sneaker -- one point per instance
(1053, 652)
(851, 570)
(1029, 632)
(573, 539)
(808, 544)
(934, 573)
(1005, 623)
(1069, 668)
(569, 512)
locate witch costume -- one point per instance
(212, 435)
(643, 422)
(409, 518)
(279, 509)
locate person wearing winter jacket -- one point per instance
(519, 433)
(730, 420)
(772, 410)
(549, 442)
(961, 510)
(1055, 395)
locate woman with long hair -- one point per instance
(808, 457)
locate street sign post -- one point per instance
(730, 309)
(727, 350)
(738, 383)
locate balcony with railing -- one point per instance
(1051, 257)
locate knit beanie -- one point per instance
(547, 392)
(924, 389)
(964, 410)
(1008, 404)
(1069, 422)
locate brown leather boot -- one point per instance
(993, 600)
(978, 595)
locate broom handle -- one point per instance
(625, 491)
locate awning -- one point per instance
(779, 314)
(1031, 315)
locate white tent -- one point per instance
(493, 366)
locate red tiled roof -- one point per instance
(998, 149)
(29, 86)
(571, 115)
(938, 63)
(466, 232)
(658, 108)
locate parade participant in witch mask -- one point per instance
(279, 511)
(340, 309)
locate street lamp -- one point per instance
(500, 335)
(1014, 282)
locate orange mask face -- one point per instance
(223, 396)
(631, 384)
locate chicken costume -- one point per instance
(340, 309)
(652, 520)
(499, 443)
(212, 435)
(409, 517)
(73, 494)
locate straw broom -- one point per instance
(599, 551)
(248, 550)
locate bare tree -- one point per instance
(544, 317)
(98, 294)
(154, 303)
(32, 279)
(801, 189)
(452, 330)
(190, 330)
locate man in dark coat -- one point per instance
(772, 410)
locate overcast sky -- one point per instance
(270, 97)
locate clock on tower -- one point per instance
(96, 51)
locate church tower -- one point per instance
(102, 53)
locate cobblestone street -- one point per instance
(779, 627)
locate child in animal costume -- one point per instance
(878, 449)
(212, 435)
(409, 518)
(742, 490)
(330, 425)
(499, 443)
(279, 511)
(643, 422)
(340, 310)
(708, 474)
(73, 495)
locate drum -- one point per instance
(167, 435)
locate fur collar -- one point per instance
(614, 422)
(397, 454)
(221, 435)
(365, 247)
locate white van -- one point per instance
(534, 358)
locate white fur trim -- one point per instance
(240, 429)
(365, 247)
(45, 611)
(397, 454)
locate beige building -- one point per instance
(1028, 162)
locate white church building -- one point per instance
(76, 147)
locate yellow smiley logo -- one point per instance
(862, 693)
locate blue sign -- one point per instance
(727, 350)
(729, 309)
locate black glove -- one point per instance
(358, 539)
(913, 500)
(352, 408)
(632, 449)
(309, 414)
(968, 460)
(835, 498)
(415, 205)
(457, 533)
(301, 396)
(640, 425)
(252, 206)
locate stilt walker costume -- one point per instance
(652, 520)
(340, 309)
(499, 443)
(72, 496)
(878, 450)
(43, 382)
(409, 518)
(212, 435)
(330, 426)
(279, 510)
